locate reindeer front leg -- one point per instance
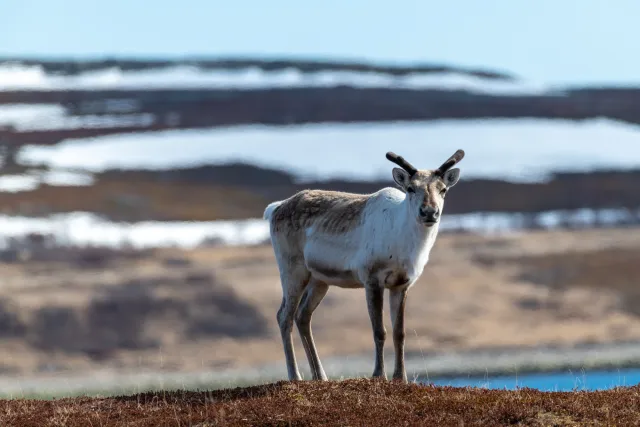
(397, 300)
(375, 302)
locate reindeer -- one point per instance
(373, 241)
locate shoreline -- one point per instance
(471, 364)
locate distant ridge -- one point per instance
(68, 66)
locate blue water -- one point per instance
(554, 381)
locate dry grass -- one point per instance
(137, 200)
(358, 402)
(214, 308)
(613, 270)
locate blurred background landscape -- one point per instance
(140, 147)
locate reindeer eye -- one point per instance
(410, 190)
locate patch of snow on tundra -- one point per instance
(85, 229)
(34, 77)
(516, 150)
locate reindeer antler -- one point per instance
(400, 161)
(457, 156)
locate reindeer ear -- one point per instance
(451, 177)
(401, 177)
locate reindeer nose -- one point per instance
(429, 214)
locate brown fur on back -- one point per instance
(333, 211)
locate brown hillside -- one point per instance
(359, 402)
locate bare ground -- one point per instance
(357, 402)
(214, 308)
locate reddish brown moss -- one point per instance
(359, 402)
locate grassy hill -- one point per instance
(358, 402)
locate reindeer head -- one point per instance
(426, 189)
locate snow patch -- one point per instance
(516, 150)
(23, 77)
(85, 229)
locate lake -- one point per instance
(553, 381)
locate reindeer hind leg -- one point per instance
(313, 295)
(293, 284)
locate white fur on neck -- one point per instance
(389, 232)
